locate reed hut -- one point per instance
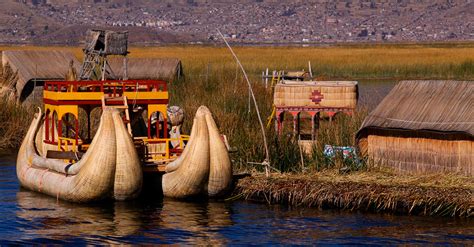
(108, 42)
(34, 67)
(422, 126)
(167, 69)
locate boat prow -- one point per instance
(204, 168)
(109, 169)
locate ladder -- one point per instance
(123, 107)
(95, 67)
(88, 68)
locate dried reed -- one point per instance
(359, 193)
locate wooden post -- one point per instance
(279, 126)
(299, 124)
(60, 127)
(149, 127)
(77, 131)
(88, 112)
(310, 70)
(46, 124)
(295, 122)
(165, 127)
(125, 68)
(52, 127)
(266, 78)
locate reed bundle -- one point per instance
(397, 198)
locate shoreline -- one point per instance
(403, 197)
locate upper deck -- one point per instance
(92, 92)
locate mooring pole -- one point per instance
(266, 162)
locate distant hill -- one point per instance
(245, 21)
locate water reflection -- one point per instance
(118, 222)
(60, 220)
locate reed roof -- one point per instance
(40, 65)
(148, 68)
(443, 106)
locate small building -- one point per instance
(167, 69)
(422, 127)
(36, 66)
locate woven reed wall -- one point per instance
(422, 155)
(323, 94)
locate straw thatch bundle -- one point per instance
(204, 167)
(422, 126)
(110, 167)
(316, 94)
(39, 65)
(148, 68)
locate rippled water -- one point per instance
(29, 217)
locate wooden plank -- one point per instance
(64, 155)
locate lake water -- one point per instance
(32, 218)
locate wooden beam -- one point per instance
(64, 155)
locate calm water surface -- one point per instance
(29, 217)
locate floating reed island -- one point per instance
(431, 195)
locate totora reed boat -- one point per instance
(136, 144)
(131, 145)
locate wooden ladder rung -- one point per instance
(119, 106)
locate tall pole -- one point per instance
(267, 153)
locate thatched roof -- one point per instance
(40, 65)
(109, 42)
(148, 68)
(441, 106)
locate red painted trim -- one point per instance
(165, 134)
(52, 126)
(50, 142)
(127, 86)
(77, 131)
(149, 128)
(46, 124)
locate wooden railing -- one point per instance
(110, 86)
(67, 144)
(166, 153)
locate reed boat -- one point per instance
(137, 143)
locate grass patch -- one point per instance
(213, 79)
